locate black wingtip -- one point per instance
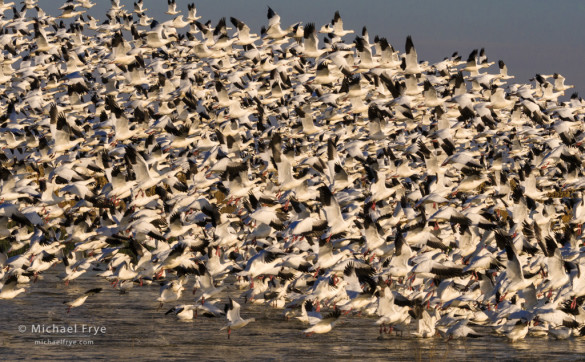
(94, 291)
(325, 195)
(409, 44)
(271, 13)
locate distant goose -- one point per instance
(187, 312)
(243, 35)
(192, 13)
(410, 61)
(172, 7)
(335, 27)
(460, 330)
(274, 31)
(80, 300)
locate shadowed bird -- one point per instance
(80, 300)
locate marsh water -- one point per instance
(130, 325)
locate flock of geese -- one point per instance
(316, 170)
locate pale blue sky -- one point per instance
(530, 36)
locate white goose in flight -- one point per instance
(234, 320)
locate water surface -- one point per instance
(135, 327)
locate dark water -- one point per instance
(135, 328)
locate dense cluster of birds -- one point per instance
(344, 176)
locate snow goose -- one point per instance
(426, 322)
(389, 313)
(243, 34)
(192, 16)
(145, 177)
(336, 26)
(399, 264)
(474, 63)
(326, 258)
(498, 99)
(410, 61)
(139, 7)
(323, 75)
(274, 31)
(513, 280)
(559, 85)
(324, 325)
(158, 37)
(459, 330)
(75, 267)
(336, 222)
(9, 289)
(359, 297)
(205, 287)
(42, 262)
(308, 315)
(186, 312)
(234, 320)
(170, 292)
(124, 272)
(80, 300)
(183, 312)
(263, 263)
(311, 42)
(172, 7)
(269, 215)
(365, 54)
(515, 330)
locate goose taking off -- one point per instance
(234, 320)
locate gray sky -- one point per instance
(530, 36)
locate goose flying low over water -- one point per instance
(323, 325)
(10, 289)
(80, 300)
